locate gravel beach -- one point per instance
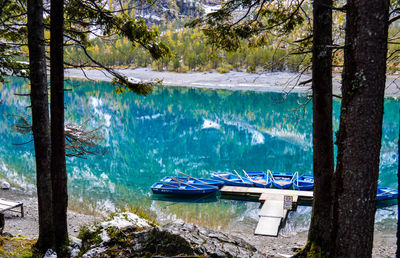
(285, 82)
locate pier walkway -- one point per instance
(276, 203)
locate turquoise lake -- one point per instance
(195, 131)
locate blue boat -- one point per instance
(304, 182)
(282, 180)
(259, 178)
(231, 179)
(178, 188)
(385, 193)
(193, 180)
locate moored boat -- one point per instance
(193, 180)
(385, 193)
(179, 188)
(259, 178)
(303, 182)
(282, 180)
(231, 179)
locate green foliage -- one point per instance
(191, 53)
(229, 25)
(82, 17)
(12, 35)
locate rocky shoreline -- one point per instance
(281, 246)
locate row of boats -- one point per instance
(187, 185)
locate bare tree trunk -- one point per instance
(40, 120)
(323, 164)
(398, 198)
(359, 137)
(58, 164)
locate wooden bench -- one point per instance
(11, 206)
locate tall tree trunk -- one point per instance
(323, 164)
(58, 164)
(398, 197)
(359, 137)
(40, 120)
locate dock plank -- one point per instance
(258, 190)
(268, 226)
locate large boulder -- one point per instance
(136, 237)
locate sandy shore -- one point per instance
(281, 246)
(264, 82)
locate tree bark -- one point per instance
(359, 136)
(398, 197)
(323, 163)
(40, 120)
(58, 164)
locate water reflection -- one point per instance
(195, 131)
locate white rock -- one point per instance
(50, 254)
(4, 185)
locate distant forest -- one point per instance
(191, 52)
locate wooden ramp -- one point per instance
(268, 226)
(273, 211)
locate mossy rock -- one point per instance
(173, 239)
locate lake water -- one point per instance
(195, 131)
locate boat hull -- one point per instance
(192, 180)
(282, 180)
(385, 193)
(259, 179)
(182, 189)
(304, 183)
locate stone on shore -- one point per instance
(138, 238)
(4, 185)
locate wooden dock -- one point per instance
(273, 210)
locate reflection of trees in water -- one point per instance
(153, 136)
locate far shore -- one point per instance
(285, 82)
